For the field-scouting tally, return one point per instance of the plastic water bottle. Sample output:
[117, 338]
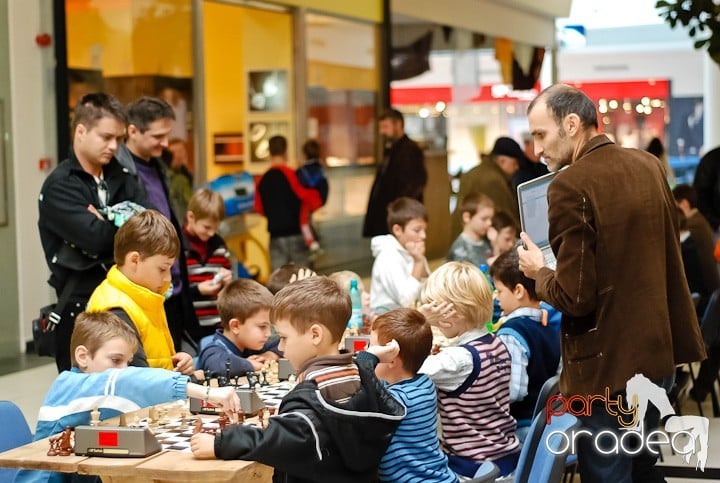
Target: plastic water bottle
[355, 321]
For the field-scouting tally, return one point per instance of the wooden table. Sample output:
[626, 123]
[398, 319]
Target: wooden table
[165, 466]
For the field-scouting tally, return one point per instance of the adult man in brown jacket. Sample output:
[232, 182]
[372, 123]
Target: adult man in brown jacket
[619, 281]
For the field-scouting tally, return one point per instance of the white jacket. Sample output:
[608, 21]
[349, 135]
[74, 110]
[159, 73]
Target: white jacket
[392, 284]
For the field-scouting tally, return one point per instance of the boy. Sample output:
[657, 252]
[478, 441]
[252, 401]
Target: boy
[101, 347]
[475, 373]
[146, 246]
[283, 201]
[244, 339]
[207, 257]
[472, 244]
[311, 176]
[503, 235]
[414, 453]
[530, 335]
[336, 424]
[400, 265]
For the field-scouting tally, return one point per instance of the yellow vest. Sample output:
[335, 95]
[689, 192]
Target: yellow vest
[145, 309]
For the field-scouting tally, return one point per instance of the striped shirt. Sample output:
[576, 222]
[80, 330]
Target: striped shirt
[337, 377]
[476, 420]
[414, 453]
[204, 261]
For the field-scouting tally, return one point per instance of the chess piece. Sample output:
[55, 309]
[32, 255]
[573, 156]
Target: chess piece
[136, 422]
[65, 445]
[222, 421]
[53, 451]
[153, 416]
[198, 426]
[227, 371]
[252, 378]
[271, 410]
[292, 378]
[95, 417]
[241, 416]
[123, 420]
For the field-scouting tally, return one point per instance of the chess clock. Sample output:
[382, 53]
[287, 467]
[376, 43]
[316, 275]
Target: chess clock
[115, 442]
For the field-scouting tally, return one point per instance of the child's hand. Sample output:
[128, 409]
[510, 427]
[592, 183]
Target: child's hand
[225, 276]
[416, 250]
[387, 352]
[436, 312]
[183, 363]
[203, 446]
[209, 287]
[258, 362]
[302, 274]
[227, 398]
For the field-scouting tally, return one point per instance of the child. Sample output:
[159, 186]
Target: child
[311, 176]
[342, 278]
[101, 347]
[400, 265]
[146, 246]
[472, 244]
[503, 234]
[473, 374]
[286, 274]
[414, 453]
[244, 339]
[207, 257]
[336, 424]
[531, 337]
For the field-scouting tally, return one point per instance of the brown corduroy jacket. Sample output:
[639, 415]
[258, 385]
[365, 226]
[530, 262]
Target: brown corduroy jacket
[619, 280]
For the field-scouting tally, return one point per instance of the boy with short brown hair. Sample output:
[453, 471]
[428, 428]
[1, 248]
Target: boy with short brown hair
[414, 453]
[337, 422]
[400, 265]
[146, 246]
[472, 244]
[207, 257]
[244, 339]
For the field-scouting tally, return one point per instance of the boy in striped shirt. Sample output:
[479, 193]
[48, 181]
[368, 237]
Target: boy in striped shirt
[472, 377]
[336, 424]
[414, 453]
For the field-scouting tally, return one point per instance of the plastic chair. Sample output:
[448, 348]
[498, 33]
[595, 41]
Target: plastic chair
[550, 450]
[15, 433]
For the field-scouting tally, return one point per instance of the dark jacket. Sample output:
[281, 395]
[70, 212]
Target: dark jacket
[64, 217]
[402, 173]
[619, 281]
[220, 351]
[707, 185]
[313, 440]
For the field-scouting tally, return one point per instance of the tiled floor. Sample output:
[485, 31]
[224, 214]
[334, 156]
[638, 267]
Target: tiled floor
[27, 389]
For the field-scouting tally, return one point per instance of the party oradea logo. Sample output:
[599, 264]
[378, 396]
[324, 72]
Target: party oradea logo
[687, 435]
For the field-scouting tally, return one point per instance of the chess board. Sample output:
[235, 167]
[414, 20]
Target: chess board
[273, 394]
[174, 434]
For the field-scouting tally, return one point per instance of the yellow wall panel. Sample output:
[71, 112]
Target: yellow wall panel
[362, 9]
[341, 77]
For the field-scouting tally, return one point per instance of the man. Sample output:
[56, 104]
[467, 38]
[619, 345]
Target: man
[76, 238]
[287, 205]
[492, 178]
[401, 173]
[150, 122]
[619, 281]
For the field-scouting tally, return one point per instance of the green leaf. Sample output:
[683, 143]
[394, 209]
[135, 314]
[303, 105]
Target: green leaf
[699, 43]
[692, 32]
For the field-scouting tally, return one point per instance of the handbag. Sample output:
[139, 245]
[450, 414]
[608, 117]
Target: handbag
[43, 328]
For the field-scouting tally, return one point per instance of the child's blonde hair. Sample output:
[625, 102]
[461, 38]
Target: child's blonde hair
[93, 329]
[463, 285]
[343, 277]
[149, 233]
[206, 204]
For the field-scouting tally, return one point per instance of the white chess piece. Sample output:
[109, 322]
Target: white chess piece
[95, 417]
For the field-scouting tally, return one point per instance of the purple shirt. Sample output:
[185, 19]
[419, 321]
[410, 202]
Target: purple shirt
[150, 177]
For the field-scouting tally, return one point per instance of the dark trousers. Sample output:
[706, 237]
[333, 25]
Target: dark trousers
[175, 315]
[709, 368]
[64, 330]
[595, 467]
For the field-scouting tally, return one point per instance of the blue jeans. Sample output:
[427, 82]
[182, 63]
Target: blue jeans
[596, 467]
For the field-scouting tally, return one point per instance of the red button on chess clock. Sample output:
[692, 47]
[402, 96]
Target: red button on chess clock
[108, 438]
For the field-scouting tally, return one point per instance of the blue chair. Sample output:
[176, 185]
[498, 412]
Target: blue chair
[15, 432]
